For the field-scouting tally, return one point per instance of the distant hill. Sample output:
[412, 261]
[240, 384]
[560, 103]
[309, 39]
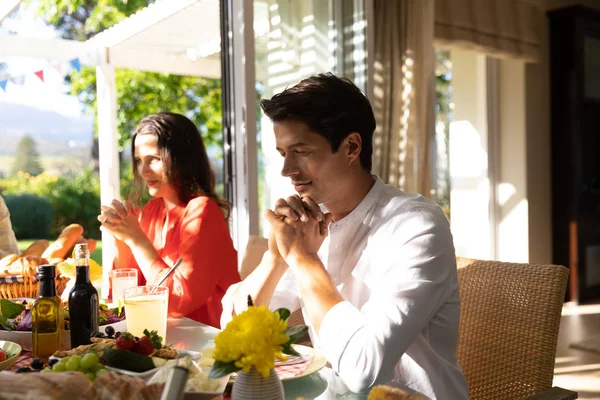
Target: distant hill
[54, 133]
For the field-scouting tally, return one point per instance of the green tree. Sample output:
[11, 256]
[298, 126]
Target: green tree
[138, 93]
[27, 158]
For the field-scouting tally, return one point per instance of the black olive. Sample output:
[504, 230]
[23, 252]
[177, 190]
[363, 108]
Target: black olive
[52, 361]
[109, 330]
[23, 369]
[36, 363]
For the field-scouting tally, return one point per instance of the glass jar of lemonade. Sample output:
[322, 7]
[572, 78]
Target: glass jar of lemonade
[146, 307]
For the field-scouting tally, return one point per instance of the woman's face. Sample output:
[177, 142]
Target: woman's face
[151, 168]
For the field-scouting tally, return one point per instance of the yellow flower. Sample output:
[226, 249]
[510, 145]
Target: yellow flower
[252, 339]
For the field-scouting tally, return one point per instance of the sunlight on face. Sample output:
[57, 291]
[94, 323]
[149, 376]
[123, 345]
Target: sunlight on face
[314, 170]
[151, 167]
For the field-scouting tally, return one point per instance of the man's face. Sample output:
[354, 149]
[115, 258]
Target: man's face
[315, 171]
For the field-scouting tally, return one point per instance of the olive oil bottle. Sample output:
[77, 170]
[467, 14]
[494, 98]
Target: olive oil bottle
[47, 315]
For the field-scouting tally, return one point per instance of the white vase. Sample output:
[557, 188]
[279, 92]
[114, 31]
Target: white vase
[251, 386]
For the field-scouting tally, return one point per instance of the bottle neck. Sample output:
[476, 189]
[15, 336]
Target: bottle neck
[82, 274]
[47, 288]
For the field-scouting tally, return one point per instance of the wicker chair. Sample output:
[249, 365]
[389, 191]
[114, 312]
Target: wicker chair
[255, 249]
[510, 315]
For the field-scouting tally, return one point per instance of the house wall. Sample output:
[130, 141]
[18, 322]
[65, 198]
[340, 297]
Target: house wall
[468, 155]
[537, 110]
[512, 202]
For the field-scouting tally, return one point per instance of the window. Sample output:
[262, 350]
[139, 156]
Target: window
[481, 165]
[294, 40]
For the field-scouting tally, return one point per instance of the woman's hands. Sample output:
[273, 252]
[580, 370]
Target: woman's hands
[120, 219]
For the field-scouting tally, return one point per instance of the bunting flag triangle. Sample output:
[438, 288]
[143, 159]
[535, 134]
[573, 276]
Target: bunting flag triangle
[58, 68]
[76, 64]
[3, 84]
[40, 74]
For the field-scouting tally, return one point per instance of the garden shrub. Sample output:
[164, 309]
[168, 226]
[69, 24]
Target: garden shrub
[31, 216]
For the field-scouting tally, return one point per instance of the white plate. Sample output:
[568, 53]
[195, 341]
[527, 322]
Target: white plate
[144, 375]
[194, 355]
[318, 361]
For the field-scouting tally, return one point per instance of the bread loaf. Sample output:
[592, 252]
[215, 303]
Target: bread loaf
[75, 385]
[65, 385]
[36, 248]
[384, 392]
[6, 261]
[91, 245]
[55, 261]
[64, 243]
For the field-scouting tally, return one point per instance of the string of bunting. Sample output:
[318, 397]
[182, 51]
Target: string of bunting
[74, 64]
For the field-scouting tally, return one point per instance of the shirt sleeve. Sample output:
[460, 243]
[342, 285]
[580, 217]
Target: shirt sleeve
[8, 241]
[205, 247]
[364, 345]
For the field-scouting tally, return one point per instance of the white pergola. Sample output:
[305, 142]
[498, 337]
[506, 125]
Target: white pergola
[170, 36]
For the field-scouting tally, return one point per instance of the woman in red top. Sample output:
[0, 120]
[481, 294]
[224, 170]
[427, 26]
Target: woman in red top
[184, 219]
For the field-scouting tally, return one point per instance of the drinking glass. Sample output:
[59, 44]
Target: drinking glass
[146, 308]
[123, 278]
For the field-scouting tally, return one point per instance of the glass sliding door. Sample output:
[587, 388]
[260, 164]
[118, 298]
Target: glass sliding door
[295, 39]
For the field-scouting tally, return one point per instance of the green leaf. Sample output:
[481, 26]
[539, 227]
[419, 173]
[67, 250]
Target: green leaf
[154, 338]
[10, 309]
[7, 324]
[284, 313]
[288, 349]
[295, 332]
[220, 369]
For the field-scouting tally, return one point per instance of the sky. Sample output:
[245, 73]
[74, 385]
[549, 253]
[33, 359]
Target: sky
[48, 95]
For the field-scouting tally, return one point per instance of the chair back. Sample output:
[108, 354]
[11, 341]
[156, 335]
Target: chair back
[509, 320]
[255, 249]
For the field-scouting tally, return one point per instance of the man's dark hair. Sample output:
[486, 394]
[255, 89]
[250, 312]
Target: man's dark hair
[330, 106]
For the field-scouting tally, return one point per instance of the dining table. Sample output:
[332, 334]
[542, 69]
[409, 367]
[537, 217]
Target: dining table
[187, 334]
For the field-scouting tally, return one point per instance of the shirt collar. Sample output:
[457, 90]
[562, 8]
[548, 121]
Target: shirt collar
[363, 207]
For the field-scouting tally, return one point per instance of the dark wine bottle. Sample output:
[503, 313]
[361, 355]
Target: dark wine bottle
[47, 316]
[83, 300]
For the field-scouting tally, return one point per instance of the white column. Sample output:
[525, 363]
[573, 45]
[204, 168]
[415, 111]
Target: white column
[245, 212]
[106, 92]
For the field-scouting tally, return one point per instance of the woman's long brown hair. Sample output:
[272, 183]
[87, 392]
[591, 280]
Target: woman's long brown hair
[184, 156]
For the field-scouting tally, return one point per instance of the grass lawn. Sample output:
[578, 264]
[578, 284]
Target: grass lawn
[96, 255]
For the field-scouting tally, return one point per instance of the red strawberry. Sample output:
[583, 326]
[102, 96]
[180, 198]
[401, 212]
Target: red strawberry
[144, 346]
[125, 341]
[2, 355]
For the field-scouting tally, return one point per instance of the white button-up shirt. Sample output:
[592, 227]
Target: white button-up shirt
[392, 259]
[8, 242]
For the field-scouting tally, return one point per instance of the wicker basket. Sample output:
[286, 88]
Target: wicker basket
[29, 288]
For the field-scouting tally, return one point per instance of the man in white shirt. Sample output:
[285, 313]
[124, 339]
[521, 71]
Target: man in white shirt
[373, 268]
[8, 241]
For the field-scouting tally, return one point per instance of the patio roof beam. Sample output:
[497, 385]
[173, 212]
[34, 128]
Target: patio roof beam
[7, 7]
[148, 59]
[51, 49]
[139, 22]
